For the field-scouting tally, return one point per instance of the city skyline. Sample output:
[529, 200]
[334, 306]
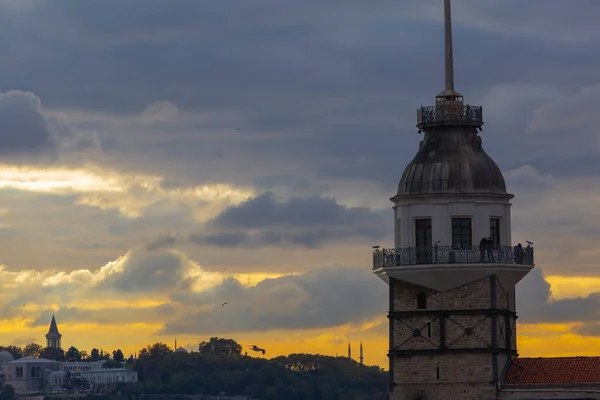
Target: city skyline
[154, 168]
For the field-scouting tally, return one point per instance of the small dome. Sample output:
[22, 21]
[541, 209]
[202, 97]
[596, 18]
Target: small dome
[5, 356]
[57, 374]
[181, 350]
[451, 160]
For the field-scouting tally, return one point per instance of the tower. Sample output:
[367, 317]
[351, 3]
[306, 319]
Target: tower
[53, 336]
[349, 351]
[452, 316]
[361, 354]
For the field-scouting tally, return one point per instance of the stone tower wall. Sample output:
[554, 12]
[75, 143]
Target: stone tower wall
[463, 320]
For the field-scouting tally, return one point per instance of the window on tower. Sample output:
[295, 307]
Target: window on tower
[495, 231]
[461, 233]
[421, 301]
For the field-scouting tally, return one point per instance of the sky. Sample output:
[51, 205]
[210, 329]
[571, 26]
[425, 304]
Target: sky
[160, 158]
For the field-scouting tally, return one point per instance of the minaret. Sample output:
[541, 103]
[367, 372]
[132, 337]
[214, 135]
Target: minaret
[452, 315]
[175, 348]
[53, 337]
[349, 351]
[361, 358]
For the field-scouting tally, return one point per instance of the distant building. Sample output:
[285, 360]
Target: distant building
[53, 337]
[106, 379]
[98, 377]
[75, 368]
[28, 375]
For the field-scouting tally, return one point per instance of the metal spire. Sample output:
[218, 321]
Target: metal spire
[448, 46]
[449, 94]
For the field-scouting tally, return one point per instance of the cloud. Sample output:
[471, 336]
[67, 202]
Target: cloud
[570, 111]
[28, 134]
[318, 298]
[304, 221]
[162, 242]
[132, 276]
[535, 304]
[23, 128]
[527, 177]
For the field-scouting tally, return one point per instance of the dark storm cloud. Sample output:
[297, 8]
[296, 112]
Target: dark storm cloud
[304, 221]
[319, 298]
[284, 67]
[535, 305]
[23, 128]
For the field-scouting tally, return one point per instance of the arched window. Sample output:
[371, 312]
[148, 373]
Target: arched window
[421, 301]
[38, 372]
[33, 372]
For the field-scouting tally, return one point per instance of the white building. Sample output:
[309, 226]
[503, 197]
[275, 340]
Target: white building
[108, 377]
[75, 368]
[98, 377]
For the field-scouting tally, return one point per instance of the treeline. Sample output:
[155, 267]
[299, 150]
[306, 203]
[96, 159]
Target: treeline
[220, 368]
[72, 353]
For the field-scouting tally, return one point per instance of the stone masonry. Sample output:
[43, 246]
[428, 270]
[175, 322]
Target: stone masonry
[457, 346]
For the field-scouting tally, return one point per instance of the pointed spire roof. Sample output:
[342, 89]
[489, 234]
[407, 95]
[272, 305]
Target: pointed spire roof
[53, 327]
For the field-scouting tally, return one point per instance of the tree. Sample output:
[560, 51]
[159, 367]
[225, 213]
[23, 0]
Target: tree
[32, 350]
[118, 355]
[14, 351]
[220, 346]
[111, 364]
[73, 354]
[155, 350]
[8, 393]
[95, 355]
[52, 353]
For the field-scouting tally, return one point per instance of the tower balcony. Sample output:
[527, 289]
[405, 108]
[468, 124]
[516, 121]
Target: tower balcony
[410, 256]
[449, 114]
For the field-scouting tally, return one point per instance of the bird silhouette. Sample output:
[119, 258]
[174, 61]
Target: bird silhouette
[223, 305]
[256, 348]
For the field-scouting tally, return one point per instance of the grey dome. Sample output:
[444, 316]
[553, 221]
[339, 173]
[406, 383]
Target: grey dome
[5, 356]
[451, 160]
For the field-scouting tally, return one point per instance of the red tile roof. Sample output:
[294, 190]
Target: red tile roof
[554, 370]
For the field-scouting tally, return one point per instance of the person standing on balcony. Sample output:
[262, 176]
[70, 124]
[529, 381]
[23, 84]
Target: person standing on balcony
[483, 244]
[490, 249]
[519, 253]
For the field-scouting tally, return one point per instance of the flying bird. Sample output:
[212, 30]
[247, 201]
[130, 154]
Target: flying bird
[256, 348]
[223, 305]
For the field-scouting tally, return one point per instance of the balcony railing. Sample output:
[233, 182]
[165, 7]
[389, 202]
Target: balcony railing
[449, 255]
[449, 114]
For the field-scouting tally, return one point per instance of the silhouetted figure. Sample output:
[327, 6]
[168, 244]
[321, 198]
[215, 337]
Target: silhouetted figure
[490, 249]
[482, 248]
[519, 253]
